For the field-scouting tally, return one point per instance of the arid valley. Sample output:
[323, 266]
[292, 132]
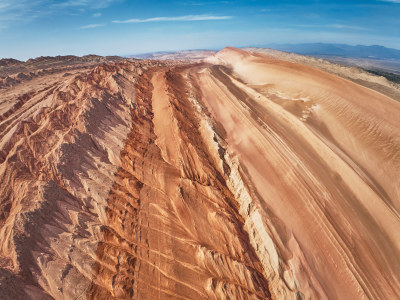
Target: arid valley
[239, 174]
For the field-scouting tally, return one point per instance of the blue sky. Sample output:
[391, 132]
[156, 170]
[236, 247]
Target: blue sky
[31, 28]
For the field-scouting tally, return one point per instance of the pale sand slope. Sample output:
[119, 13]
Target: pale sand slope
[246, 177]
[324, 156]
[355, 74]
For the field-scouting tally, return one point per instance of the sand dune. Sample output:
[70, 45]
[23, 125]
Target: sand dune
[244, 176]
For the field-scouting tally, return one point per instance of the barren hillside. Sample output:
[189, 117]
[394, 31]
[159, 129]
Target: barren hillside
[243, 176]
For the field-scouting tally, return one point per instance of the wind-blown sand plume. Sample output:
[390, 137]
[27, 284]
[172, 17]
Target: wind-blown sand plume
[243, 177]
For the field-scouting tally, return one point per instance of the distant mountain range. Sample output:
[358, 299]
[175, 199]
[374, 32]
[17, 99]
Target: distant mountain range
[342, 50]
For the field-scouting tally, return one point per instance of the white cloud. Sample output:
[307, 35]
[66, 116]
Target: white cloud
[187, 18]
[391, 1]
[90, 4]
[202, 3]
[97, 15]
[343, 26]
[89, 26]
[335, 26]
[4, 5]
[21, 11]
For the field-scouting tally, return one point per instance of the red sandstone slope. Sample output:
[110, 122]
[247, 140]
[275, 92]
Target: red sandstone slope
[245, 177]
